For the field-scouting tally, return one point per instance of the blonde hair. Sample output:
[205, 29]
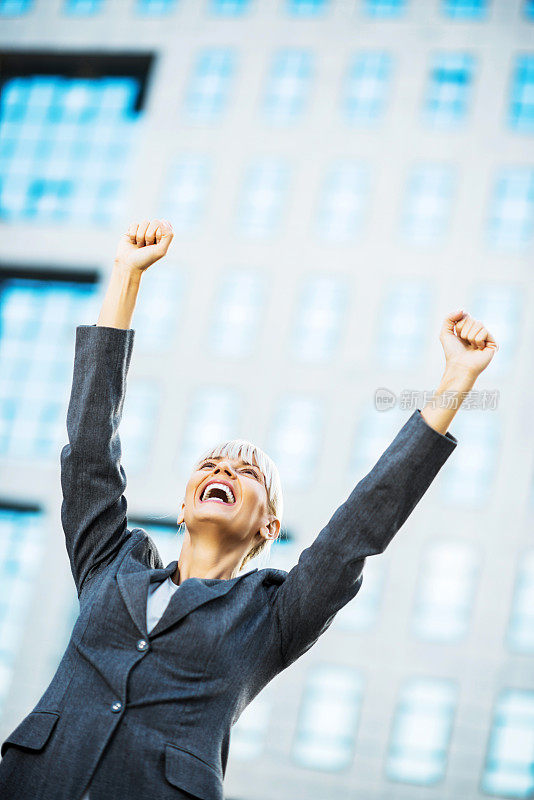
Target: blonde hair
[241, 448]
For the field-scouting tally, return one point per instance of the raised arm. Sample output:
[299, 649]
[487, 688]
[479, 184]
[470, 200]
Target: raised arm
[329, 572]
[93, 511]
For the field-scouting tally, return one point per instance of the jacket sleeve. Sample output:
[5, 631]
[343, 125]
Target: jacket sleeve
[93, 511]
[329, 572]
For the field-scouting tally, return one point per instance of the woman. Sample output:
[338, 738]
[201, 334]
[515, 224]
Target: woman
[163, 660]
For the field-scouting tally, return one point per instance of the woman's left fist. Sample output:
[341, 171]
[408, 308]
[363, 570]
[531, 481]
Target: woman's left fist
[471, 347]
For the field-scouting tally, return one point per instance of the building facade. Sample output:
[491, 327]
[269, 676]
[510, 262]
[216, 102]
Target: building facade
[340, 174]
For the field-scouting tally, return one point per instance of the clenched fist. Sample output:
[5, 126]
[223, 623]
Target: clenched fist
[470, 347]
[144, 243]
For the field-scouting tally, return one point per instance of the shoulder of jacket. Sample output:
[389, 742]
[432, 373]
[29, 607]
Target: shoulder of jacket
[151, 555]
[272, 577]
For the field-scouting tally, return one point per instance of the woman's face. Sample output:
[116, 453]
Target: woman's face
[232, 525]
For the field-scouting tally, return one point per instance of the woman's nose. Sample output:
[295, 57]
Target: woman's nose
[225, 468]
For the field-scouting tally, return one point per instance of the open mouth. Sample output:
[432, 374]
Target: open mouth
[217, 500]
[218, 493]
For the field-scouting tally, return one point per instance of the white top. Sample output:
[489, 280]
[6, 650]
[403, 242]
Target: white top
[159, 595]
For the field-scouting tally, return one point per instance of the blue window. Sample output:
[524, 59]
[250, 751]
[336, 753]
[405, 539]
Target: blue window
[250, 732]
[445, 591]
[209, 84]
[138, 424]
[361, 613]
[385, 8]
[37, 318]
[428, 205]
[448, 92]
[520, 634]
[83, 7]
[21, 551]
[511, 217]
[320, 314]
[295, 439]
[373, 433]
[65, 146]
[343, 201]
[166, 292]
[528, 9]
[465, 9]
[149, 7]
[213, 414]
[229, 8]
[236, 314]
[306, 8]
[263, 197]
[365, 87]
[37, 370]
[327, 722]
[70, 613]
[508, 771]
[469, 480]
[521, 111]
[15, 7]
[288, 85]
[501, 306]
[403, 323]
[186, 192]
[421, 731]
[285, 550]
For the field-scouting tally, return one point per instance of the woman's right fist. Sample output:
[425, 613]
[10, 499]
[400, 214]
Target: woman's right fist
[144, 243]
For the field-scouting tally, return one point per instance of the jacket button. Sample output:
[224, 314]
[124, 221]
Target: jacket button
[142, 645]
[116, 706]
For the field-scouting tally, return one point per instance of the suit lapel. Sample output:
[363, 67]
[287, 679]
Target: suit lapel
[191, 594]
[134, 578]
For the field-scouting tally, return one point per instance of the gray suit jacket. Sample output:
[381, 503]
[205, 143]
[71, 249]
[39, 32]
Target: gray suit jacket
[149, 715]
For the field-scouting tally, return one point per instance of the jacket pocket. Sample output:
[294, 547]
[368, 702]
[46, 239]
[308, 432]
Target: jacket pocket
[187, 771]
[33, 732]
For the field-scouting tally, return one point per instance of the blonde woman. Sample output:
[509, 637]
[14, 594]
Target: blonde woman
[163, 659]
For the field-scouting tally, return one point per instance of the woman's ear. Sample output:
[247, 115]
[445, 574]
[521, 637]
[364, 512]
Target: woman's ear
[274, 528]
[270, 528]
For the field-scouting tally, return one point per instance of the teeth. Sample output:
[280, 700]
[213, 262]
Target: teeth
[206, 493]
